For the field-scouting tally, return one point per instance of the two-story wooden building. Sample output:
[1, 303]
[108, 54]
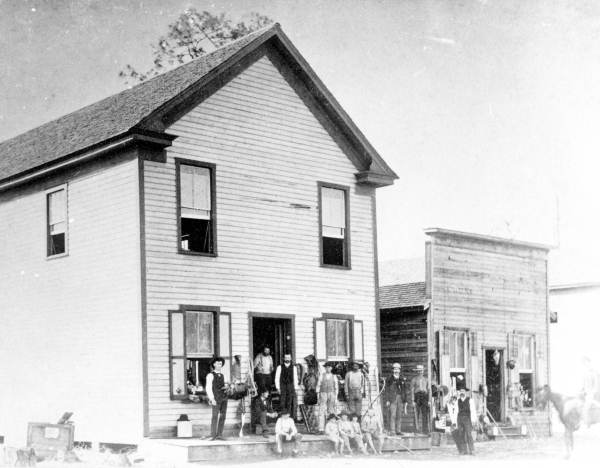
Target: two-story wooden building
[480, 320]
[226, 204]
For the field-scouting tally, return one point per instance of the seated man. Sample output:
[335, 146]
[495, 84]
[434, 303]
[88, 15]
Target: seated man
[285, 431]
[372, 430]
[261, 409]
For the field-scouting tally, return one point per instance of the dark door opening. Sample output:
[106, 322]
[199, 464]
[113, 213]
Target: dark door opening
[276, 333]
[493, 381]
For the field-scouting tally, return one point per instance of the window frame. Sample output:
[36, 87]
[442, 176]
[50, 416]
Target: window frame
[47, 194]
[453, 334]
[184, 309]
[348, 346]
[347, 254]
[351, 338]
[213, 204]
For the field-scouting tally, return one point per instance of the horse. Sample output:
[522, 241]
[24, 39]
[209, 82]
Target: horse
[570, 412]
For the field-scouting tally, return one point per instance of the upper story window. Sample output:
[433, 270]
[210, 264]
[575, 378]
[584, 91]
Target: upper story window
[334, 226]
[56, 221]
[196, 190]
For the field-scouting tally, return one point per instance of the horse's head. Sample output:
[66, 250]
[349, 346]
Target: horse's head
[542, 396]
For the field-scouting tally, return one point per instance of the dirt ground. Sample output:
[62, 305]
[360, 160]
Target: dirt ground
[516, 453]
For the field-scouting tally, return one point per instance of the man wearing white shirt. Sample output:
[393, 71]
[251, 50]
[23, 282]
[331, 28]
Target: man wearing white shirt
[217, 398]
[263, 366]
[286, 381]
[465, 419]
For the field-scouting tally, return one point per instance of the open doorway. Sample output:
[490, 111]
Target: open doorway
[494, 378]
[274, 331]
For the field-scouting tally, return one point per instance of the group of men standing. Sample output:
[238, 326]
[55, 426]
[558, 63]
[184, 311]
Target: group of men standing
[398, 391]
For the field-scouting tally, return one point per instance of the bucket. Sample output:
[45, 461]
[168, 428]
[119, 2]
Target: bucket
[184, 426]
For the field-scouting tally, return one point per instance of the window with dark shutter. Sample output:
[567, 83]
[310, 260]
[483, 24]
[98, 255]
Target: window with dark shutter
[196, 335]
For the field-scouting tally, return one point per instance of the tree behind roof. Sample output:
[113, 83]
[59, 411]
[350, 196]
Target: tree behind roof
[192, 35]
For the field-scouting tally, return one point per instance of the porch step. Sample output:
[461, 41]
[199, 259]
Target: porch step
[249, 447]
[508, 431]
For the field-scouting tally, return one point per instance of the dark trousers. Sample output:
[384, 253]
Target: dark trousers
[464, 432]
[260, 419]
[219, 411]
[264, 382]
[288, 400]
[422, 412]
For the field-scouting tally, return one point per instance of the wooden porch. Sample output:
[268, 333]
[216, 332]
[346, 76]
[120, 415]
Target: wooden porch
[254, 446]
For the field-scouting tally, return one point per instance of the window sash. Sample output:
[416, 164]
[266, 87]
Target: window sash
[338, 339]
[333, 203]
[458, 350]
[199, 334]
[525, 357]
[195, 191]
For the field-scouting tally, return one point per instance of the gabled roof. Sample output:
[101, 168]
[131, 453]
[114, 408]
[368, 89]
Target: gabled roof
[397, 296]
[141, 107]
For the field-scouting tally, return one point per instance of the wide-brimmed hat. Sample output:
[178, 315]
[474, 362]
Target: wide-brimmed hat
[328, 364]
[419, 367]
[218, 358]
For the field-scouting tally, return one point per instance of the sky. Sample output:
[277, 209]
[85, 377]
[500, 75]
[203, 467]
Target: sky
[486, 109]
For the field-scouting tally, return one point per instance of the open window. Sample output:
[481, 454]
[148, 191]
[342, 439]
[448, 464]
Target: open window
[334, 229]
[196, 207]
[196, 336]
[56, 221]
[453, 347]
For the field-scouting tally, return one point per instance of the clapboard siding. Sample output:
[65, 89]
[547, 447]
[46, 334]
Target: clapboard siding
[71, 326]
[492, 289]
[269, 151]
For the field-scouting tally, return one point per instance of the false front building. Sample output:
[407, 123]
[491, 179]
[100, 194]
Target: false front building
[480, 320]
[223, 205]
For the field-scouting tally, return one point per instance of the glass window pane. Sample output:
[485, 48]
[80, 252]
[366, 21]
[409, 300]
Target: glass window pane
[331, 338]
[178, 377]
[56, 207]
[333, 207]
[194, 187]
[199, 334]
[343, 338]
[460, 350]
[177, 334]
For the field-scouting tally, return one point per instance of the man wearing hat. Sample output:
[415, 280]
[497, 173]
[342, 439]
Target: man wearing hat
[353, 386]
[396, 398]
[419, 390]
[465, 420]
[327, 390]
[216, 390]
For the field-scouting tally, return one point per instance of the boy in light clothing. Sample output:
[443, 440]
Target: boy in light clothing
[285, 431]
[358, 435]
[372, 430]
[332, 431]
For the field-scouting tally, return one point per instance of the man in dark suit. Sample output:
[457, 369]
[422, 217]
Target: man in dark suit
[465, 418]
[396, 398]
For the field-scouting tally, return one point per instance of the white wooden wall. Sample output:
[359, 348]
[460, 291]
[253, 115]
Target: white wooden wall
[71, 326]
[270, 151]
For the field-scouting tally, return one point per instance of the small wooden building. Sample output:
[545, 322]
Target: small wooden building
[480, 319]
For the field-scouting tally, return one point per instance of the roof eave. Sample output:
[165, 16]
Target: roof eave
[133, 136]
[374, 179]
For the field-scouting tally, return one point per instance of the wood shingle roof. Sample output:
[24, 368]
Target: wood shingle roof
[141, 108]
[396, 296]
